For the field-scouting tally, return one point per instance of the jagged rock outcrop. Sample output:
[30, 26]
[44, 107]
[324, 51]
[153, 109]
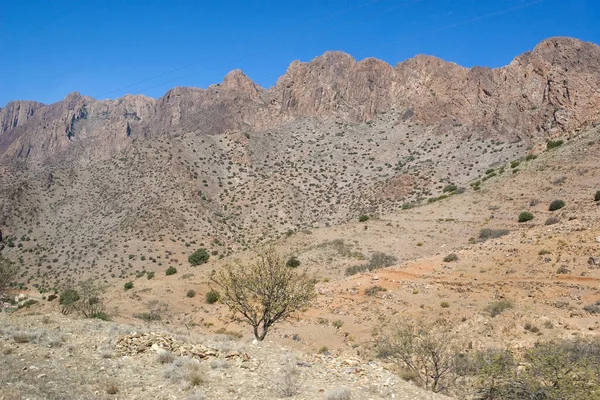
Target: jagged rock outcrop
[551, 91]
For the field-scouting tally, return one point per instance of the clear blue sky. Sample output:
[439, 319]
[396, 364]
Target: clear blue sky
[102, 48]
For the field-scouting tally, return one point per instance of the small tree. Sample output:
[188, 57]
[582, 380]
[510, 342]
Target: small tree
[200, 256]
[8, 270]
[264, 292]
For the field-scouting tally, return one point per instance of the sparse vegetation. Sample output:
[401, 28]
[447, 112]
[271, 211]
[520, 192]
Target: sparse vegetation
[488, 233]
[378, 260]
[264, 292]
[8, 271]
[128, 285]
[171, 271]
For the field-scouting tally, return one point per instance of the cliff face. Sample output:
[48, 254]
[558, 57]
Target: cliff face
[551, 91]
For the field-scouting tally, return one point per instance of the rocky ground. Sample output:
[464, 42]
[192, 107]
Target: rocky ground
[50, 356]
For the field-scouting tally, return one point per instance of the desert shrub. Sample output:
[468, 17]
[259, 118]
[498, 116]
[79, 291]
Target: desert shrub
[552, 221]
[543, 252]
[556, 205]
[190, 293]
[497, 307]
[450, 188]
[530, 157]
[264, 292]
[293, 262]
[525, 216]
[444, 304]
[212, 296]
[363, 218]
[198, 257]
[373, 290]
[150, 275]
[171, 271]
[548, 370]
[451, 257]
[128, 285]
[488, 233]
[597, 196]
[514, 164]
[52, 297]
[551, 144]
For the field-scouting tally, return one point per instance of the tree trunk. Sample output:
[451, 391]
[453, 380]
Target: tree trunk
[260, 336]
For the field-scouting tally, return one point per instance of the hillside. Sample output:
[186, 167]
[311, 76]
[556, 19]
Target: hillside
[89, 187]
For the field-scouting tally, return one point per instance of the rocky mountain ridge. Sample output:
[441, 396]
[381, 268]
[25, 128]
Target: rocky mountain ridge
[551, 91]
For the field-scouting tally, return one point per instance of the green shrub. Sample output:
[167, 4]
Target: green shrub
[128, 285]
[551, 144]
[52, 297]
[293, 262]
[515, 164]
[212, 296]
[556, 205]
[597, 196]
[530, 157]
[525, 216]
[171, 271]
[451, 257]
[200, 256]
[363, 218]
[450, 188]
[150, 275]
[190, 293]
[444, 304]
[496, 308]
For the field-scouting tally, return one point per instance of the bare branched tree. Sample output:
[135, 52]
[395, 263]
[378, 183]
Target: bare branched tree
[430, 353]
[265, 291]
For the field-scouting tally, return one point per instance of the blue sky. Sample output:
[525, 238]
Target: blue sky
[105, 48]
